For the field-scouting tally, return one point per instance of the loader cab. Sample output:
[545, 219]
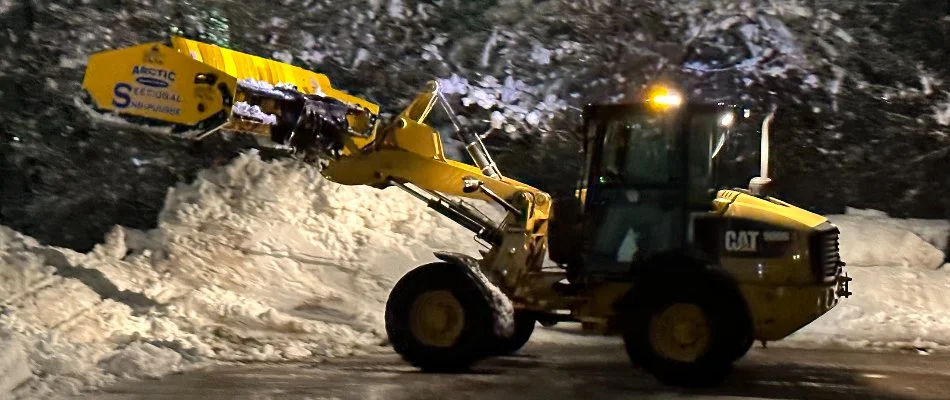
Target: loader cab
[648, 168]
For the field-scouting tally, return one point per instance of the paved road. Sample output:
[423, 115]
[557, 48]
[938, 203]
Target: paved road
[547, 372]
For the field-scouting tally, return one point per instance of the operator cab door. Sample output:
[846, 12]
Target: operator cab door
[648, 172]
[636, 189]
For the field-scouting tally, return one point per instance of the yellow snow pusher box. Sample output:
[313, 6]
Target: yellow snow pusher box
[189, 89]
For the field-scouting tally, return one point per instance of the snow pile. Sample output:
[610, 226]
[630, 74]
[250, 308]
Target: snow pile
[14, 369]
[891, 307]
[142, 360]
[61, 324]
[900, 292]
[269, 261]
[871, 238]
[253, 261]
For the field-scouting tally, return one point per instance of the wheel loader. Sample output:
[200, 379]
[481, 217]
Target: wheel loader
[647, 248]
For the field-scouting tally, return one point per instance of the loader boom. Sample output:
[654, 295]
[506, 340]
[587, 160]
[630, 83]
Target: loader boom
[202, 88]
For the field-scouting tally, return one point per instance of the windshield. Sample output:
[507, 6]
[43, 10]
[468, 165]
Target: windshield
[640, 149]
[644, 148]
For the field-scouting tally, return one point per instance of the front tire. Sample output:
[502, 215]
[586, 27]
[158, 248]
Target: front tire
[524, 327]
[685, 336]
[438, 318]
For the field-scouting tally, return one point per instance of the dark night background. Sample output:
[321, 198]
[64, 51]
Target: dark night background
[861, 88]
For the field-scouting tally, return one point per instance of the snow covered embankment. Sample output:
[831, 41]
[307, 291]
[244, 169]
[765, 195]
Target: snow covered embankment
[269, 261]
[901, 292]
[253, 261]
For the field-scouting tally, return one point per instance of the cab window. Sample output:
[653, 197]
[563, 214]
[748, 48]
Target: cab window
[639, 151]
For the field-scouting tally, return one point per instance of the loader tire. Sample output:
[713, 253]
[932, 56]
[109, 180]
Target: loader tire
[524, 327]
[743, 344]
[439, 318]
[685, 336]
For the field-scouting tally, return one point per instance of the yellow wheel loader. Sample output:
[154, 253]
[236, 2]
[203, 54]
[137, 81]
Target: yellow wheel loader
[646, 248]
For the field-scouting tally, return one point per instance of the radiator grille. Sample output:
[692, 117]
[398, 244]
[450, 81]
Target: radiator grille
[825, 257]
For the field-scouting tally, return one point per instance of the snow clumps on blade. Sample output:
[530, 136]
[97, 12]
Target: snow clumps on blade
[254, 112]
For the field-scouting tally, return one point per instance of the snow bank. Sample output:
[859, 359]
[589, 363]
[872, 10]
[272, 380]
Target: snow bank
[269, 261]
[14, 369]
[871, 238]
[252, 261]
[891, 307]
[142, 360]
[900, 292]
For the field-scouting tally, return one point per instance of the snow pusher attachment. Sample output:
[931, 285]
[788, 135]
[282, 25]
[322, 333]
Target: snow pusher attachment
[192, 89]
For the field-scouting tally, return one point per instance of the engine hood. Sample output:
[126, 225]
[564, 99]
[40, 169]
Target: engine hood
[739, 204]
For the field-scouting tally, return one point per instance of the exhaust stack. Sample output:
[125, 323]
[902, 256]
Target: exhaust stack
[759, 185]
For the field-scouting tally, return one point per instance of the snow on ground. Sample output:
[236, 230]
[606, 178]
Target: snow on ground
[253, 261]
[267, 261]
[891, 307]
[901, 285]
[13, 364]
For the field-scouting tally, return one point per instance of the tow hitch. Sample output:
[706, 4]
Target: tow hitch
[844, 285]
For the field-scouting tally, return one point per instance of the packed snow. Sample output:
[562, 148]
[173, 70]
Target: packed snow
[253, 261]
[253, 112]
[891, 307]
[268, 261]
[14, 368]
[900, 285]
[872, 238]
[265, 87]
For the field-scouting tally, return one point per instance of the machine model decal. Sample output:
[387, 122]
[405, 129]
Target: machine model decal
[751, 241]
[742, 241]
[737, 237]
[776, 236]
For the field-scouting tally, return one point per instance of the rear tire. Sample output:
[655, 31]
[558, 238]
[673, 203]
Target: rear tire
[439, 319]
[743, 344]
[684, 336]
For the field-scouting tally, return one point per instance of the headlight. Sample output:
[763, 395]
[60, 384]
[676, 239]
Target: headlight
[727, 119]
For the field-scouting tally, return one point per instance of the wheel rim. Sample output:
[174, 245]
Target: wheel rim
[681, 332]
[436, 318]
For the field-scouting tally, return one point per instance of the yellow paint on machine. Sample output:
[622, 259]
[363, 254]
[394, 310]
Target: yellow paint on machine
[161, 82]
[244, 65]
[779, 311]
[772, 211]
[156, 82]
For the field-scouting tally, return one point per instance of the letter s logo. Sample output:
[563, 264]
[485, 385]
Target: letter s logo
[121, 93]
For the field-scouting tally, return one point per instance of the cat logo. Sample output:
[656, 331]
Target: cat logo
[742, 241]
[153, 56]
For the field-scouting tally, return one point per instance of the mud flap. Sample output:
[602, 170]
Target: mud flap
[502, 308]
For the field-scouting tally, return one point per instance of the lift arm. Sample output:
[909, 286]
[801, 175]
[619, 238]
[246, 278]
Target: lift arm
[201, 89]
